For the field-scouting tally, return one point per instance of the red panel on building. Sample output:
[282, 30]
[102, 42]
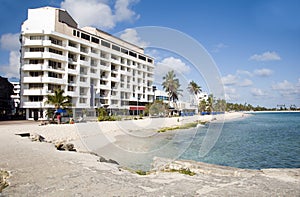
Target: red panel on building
[137, 108]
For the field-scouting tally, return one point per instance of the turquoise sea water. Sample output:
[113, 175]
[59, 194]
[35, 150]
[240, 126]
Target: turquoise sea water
[263, 140]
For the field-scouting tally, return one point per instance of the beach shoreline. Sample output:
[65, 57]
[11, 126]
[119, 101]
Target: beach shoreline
[39, 169]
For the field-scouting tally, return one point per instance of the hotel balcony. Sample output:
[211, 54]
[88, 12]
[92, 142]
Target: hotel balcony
[29, 67]
[33, 55]
[72, 71]
[72, 93]
[84, 63]
[105, 68]
[32, 104]
[54, 80]
[28, 42]
[32, 79]
[28, 92]
[49, 55]
[72, 49]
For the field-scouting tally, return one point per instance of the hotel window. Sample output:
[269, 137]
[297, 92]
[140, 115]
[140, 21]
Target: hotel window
[95, 51]
[142, 57]
[85, 36]
[71, 88]
[116, 48]
[93, 70]
[35, 98]
[83, 70]
[82, 100]
[72, 66]
[132, 54]
[55, 51]
[72, 57]
[72, 44]
[105, 44]
[36, 85]
[83, 58]
[84, 49]
[36, 37]
[55, 41]
[52, 87]
[36, 74]
[95, 40]
[36, 61]
[37, 49]
[54, 65]
[124, 51]
[54, 75]
[82, 79]
[82, 91]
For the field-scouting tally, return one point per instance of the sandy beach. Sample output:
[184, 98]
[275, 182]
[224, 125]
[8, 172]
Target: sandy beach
[38, 169]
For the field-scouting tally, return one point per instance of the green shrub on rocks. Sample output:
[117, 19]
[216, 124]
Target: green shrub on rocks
[185, 126]
[141, 172]
[186, 171]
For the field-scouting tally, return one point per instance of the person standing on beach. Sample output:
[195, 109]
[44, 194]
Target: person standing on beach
[58, 116]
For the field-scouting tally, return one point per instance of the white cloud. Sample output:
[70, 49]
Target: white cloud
[229, 79]
[10, 42]
[130, 35]
[245, 83]
[218, 47]
[264, 72]
[266, 56]
[168, 64]
[12, 70]
[123, 13]
[231, 94]
[286, 88]
[258, 92]
[244, 72]
[98, 13]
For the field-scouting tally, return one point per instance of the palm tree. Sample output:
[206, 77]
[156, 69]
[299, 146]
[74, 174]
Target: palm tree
[194, 88]
[171, 85]
[210, 103]
[58, 99]
[202, 105]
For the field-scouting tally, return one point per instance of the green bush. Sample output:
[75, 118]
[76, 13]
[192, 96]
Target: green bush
[141, 172]
[186, 171]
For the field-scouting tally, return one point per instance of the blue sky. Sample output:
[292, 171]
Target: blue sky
[255, 44]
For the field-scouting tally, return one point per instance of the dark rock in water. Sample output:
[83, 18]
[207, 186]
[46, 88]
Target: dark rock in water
[102, 159]
[112, 161]
[23, 134]
[37, 137]
[62, 146]
[69, 147]
[59, 145]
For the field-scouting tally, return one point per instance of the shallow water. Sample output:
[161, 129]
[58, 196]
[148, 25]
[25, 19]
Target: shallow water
[263, 140]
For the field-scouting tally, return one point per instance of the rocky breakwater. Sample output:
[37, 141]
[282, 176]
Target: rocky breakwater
[228, 181]
[3, 179]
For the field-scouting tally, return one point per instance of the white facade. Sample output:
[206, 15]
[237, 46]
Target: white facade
[16, 95]
[95, 68]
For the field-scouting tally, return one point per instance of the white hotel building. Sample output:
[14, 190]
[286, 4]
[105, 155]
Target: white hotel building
[93, 67]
